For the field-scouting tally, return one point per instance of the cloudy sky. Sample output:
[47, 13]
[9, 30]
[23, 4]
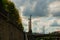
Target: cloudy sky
[44, 13]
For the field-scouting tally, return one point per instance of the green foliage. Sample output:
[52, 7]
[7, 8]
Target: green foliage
[12, 12]
[1, 5]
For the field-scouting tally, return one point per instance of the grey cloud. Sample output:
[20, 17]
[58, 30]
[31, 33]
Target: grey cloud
[18, 3]
[56, 14]
[40, 9]
[55, 24]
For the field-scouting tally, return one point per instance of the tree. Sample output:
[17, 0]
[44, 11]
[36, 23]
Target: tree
[9, 9]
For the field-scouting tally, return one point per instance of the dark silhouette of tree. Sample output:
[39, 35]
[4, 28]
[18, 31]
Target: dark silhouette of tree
[8, 9]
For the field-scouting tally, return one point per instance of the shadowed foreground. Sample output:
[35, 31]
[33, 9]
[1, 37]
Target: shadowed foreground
[10, 23]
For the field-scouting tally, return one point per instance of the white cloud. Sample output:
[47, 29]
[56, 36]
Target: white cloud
[38, 23]
[25, 23]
